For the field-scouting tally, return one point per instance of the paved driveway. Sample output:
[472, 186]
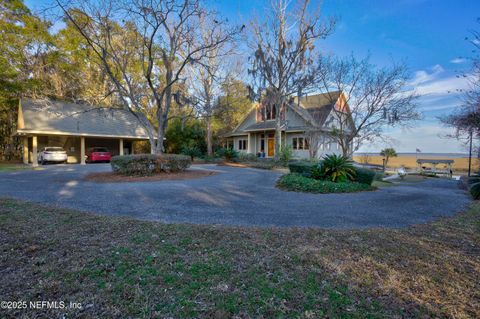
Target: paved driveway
[235, 196]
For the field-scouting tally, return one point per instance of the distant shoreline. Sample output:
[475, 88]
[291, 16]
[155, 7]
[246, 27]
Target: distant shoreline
[420, 155]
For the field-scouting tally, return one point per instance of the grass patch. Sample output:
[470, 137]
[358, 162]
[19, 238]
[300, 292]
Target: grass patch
[117, 267]
[12, 167]
[298, 183]
[260, 164]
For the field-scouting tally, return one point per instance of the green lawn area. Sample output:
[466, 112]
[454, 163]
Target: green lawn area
[118, 267]
[11, 167]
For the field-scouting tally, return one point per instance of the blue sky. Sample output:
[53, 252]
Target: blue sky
[429, 35]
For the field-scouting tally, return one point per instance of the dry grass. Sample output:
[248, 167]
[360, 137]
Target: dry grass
[119, 268]
[460, 164]
[111, 177]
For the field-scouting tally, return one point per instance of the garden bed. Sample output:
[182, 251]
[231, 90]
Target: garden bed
[298, 183]
[111, 177]
[259, 164]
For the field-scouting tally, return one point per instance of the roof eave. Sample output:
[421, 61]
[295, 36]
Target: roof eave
[23, 132]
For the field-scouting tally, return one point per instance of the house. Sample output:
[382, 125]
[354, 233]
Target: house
[76, 128]
[316, 113]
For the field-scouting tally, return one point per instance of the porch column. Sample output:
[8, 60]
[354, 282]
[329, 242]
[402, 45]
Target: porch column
[82, 150]
[249, 146]
[25, 150]
[121, 146]
[34, 151]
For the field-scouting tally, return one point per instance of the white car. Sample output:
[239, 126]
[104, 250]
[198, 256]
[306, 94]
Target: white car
[52, 154]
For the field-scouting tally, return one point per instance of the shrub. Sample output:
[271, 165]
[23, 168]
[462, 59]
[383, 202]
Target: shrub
[192, 151]
[364, 176]
[474, 185]
[285, 155]
[379, 176]
[263, 164]
[246, 157]
[227, 153]
[147, 164]
[299, 183]
[337, 168]
[303, 168]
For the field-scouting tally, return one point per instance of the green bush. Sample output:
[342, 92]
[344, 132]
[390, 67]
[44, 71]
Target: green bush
[299, 183]
[246, 157]
[147, 164]
[336, 168]
[364, 176]
[285, 155]
[262, 164]
[192, 151]
[301, 167]
[227, 153]
[379, 176]
[474, 185]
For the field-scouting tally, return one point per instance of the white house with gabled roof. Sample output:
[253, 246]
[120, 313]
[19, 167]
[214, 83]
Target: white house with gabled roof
[256, 132]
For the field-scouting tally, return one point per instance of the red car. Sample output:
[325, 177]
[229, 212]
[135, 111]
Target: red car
[98, 154]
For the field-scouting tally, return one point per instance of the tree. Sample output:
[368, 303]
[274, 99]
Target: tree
[231, 106]
[466, 118]
[283, 60]
[372, 98]
[24, 44]
[387, 153]
[144, 46]
[207, 78]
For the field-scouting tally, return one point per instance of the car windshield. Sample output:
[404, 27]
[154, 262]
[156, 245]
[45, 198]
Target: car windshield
[100, 149]
[53, 149]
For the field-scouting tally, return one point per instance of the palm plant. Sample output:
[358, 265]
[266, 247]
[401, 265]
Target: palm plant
[387, 153]
[336, 168]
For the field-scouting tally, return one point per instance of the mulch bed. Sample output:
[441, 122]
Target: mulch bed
[111, 177]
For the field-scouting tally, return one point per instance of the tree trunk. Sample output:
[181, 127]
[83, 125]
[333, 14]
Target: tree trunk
[278, 141]
[209, 136]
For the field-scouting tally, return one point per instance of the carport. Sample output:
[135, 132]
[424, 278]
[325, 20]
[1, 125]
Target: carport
[76, 128]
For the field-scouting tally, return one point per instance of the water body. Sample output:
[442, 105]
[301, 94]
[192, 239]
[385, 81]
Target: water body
[423, 155]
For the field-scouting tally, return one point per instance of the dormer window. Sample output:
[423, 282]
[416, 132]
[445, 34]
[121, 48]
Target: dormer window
[267, 113]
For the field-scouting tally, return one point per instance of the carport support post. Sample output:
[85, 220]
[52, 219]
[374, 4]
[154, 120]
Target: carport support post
[25, 150]
[121, 146]
[34, 151]
[82, 150]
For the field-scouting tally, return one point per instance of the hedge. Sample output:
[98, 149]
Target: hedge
[299, 183]
[147, 164]
[364, 176]
[303, 168]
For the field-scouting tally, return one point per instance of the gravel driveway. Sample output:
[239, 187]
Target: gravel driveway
[235, 196]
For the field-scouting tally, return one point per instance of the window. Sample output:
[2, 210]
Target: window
[242, 144]
[299, 143]
[265, 113]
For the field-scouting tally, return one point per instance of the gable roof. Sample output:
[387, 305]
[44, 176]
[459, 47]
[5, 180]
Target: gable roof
[320, 100]
[313, 109]
[64, 118]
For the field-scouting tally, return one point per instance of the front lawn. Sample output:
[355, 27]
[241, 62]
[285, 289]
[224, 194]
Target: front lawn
[11, 167]
[123, 268]
[298, 183]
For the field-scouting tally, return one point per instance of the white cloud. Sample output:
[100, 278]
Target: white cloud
[448, 85]
[435, 82]
[423, 76]
[458, 60]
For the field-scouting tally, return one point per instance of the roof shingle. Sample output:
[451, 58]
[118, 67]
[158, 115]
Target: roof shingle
[57, 117]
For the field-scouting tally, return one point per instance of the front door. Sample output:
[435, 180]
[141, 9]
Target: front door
[271, 147]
